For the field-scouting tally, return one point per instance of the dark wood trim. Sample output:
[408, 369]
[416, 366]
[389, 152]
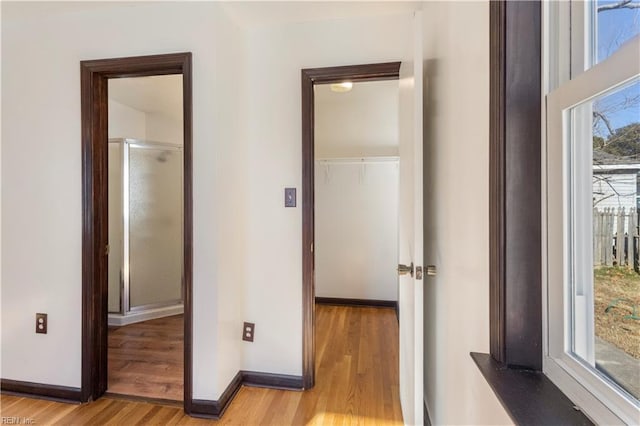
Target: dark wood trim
[94, 79]
[371, 303]
[94, 224]
[187, 149]
[41, 391]
[215, 409]
[496, 178]
[138, 66]
[523, 185]
[369, 72]
[309, 77]
[271, 381]
[515, 183]
[529, 397]
[308, 221]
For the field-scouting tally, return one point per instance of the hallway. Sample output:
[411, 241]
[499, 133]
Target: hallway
[356, 380]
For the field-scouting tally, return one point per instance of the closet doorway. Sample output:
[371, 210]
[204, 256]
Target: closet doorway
[137, 228]
[350, 179]
[356, 195]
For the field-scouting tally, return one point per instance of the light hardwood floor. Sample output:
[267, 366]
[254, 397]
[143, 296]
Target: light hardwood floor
[356, 383]
[146, 359]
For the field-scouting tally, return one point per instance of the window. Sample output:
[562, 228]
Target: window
[592, 161]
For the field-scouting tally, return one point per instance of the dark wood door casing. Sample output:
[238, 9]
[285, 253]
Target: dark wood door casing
[94, 117]
[311, 76]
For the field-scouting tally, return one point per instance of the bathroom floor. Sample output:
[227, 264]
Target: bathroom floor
[146, 359]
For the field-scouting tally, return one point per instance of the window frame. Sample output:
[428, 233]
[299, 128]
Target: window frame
[520, 36]
[594, 394]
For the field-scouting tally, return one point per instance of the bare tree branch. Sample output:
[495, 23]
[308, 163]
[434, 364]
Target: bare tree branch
[595, 203]
[605, 120]
[624, 4]
[606, 180]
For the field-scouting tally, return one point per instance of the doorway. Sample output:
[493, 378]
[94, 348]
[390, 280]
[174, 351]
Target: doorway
[310, 79]
[162, 159]
[356, 193]
[356, 198]
[145, 337]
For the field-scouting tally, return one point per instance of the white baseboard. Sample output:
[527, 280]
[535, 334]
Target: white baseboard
[133, 317]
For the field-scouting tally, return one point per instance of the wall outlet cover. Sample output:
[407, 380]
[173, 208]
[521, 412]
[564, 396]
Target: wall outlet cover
[247, 331]
[41, 323]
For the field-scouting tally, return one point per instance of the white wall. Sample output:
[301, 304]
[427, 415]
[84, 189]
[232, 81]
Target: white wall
[456, 314]
[164, 128]
[41, 169]
[147, 108]
[356, 230]
[276, 56]
[125, 121]
[362, 122]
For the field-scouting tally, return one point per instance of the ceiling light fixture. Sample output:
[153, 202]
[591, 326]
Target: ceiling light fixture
[342, 87]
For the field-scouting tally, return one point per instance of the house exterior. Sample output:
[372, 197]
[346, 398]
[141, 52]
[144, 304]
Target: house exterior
[615, 187]
[615, 182]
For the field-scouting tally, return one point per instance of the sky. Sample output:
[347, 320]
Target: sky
[614, 28]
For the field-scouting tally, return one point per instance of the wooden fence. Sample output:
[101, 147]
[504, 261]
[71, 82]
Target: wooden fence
[615, 237]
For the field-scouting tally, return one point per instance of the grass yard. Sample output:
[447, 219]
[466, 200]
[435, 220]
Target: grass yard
[613, 283]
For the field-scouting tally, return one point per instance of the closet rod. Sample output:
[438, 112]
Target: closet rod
[358, 160]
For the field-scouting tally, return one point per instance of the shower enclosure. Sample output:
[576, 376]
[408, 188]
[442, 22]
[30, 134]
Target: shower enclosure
[145, 230]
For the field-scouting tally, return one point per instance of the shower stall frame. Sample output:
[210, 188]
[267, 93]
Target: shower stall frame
[125, 280]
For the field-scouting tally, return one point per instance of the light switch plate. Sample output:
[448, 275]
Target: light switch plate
[289, 197]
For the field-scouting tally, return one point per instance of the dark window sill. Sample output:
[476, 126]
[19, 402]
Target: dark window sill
[529, 397]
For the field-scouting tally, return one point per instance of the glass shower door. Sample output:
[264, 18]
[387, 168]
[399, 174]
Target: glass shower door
[155, 225]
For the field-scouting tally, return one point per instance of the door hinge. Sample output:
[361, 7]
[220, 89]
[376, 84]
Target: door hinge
[107, 250]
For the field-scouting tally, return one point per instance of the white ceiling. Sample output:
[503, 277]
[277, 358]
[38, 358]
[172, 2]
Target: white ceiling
[159, 94]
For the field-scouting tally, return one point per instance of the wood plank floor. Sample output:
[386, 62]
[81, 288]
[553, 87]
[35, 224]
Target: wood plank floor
[356, 383]
[146, 359]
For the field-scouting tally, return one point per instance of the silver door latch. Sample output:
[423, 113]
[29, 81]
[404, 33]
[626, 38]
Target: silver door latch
[404, 269]
[418, 272]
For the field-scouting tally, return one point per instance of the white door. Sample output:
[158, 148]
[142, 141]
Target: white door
[410, 250]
